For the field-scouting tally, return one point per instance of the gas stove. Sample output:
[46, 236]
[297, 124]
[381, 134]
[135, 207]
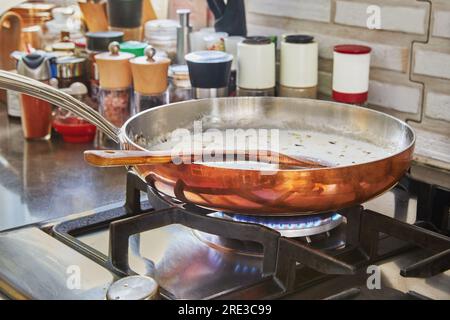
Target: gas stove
[396, 246]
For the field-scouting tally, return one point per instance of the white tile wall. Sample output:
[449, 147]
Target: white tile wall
[437, 106]
[410, 58]
[441, 23]
[315, 10]
[414, 18]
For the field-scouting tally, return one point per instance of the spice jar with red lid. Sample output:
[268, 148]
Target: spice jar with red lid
[150, 80]
[115, 84]
[351, 66]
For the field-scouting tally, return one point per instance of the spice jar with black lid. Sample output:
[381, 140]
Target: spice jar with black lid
[298, 67]
[97, 42]
[209, 72]
[256, 67]
[115, 84]
[150, 80]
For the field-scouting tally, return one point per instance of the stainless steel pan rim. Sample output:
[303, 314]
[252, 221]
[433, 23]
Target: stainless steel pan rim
[126, 140]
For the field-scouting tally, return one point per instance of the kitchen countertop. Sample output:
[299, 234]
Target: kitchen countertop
[42, 180]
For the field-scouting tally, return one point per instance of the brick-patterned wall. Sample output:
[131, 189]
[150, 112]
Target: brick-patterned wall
[410, 67]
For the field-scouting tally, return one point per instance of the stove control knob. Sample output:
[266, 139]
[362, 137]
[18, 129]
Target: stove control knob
[133, 288]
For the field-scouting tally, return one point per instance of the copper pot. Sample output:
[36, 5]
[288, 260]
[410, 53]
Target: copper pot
[286, 192]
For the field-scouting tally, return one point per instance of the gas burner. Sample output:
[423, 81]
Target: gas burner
[290, 226]
[319, 231]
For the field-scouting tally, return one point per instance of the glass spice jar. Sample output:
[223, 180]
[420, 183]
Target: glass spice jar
[115, 84]
[180, 88]
[115, 105]
[150, 80]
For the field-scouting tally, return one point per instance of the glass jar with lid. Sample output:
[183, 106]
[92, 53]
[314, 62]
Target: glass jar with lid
[115, 84]
[150, 80]
[180, 88]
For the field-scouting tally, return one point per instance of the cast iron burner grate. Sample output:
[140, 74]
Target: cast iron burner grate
[288, 265]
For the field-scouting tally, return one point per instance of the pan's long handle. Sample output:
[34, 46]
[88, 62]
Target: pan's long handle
[22, 84]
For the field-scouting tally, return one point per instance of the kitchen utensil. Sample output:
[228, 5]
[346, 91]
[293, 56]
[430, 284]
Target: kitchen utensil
[150, 80]
[94, 15]
[286, 192]
[114, 158]
[36, 113]
[115, 84]
[183, 34]
[229, 17]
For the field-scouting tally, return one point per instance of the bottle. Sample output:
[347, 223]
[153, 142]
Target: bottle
[256, 67]
[180, 88]
[351, 67]
[36, 113]
[115, 84]
[299, 59]
[183, 35]
[209, 72]
[150, 80]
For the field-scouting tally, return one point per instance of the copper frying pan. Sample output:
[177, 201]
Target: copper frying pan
[285, 192]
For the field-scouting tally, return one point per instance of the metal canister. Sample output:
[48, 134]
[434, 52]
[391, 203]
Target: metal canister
[209, 72]
[256, 67]
[298, 67]
[70, 69]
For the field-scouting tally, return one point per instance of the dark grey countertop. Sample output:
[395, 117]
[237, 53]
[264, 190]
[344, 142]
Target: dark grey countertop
[42, 180]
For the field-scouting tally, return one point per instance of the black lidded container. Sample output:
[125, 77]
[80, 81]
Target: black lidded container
[209, 72]
[125, 13]
[99, 41]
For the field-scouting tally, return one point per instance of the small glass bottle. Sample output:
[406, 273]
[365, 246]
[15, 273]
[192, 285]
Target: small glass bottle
[180, 88]
[115, 84]
[150, 80]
